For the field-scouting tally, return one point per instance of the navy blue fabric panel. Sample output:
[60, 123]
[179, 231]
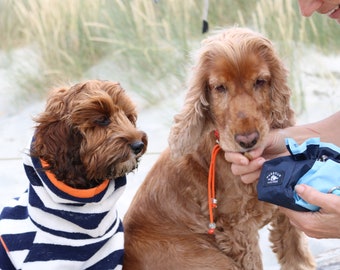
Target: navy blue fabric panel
[109, 262]
[68, 234]
[330, 153]
[17, 212]
[19, 241]
[120, 182]
[86, 221]
[32, 176]
[5, 263]
[47, 252]
[278, 179]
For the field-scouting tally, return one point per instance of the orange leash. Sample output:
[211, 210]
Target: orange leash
[212, 201]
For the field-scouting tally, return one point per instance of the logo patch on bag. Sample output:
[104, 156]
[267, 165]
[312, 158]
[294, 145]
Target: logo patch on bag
[274, 178]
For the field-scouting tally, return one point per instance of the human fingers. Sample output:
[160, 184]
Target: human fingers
[236, 158]
[248, 173]
[250, 177]
[243, 158]
[313, 196]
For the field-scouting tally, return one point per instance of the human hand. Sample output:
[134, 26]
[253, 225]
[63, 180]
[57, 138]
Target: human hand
[321, 224]
[250, 170]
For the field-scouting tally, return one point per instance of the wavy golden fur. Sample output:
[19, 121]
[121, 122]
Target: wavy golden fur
[87, 134]
[238, 88]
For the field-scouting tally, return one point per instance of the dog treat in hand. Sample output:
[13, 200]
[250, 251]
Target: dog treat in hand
[248, 156]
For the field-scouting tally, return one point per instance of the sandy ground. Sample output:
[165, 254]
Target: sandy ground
[322, 95]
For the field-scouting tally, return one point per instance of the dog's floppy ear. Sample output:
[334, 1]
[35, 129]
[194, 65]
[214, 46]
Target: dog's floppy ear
[52, 133]
[282, 115]
[194, 120]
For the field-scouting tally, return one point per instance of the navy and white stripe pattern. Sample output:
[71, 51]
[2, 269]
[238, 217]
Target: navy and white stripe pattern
[49, 228]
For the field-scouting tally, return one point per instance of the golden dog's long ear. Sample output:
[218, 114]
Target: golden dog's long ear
[282, 113]
[194, 120]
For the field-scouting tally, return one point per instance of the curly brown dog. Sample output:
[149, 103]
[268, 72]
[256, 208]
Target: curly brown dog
[84, 144]
[88, 134]
[239, 89]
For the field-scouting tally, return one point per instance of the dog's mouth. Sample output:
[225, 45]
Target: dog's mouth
[123, 168]
[113, 164]
[241, 142]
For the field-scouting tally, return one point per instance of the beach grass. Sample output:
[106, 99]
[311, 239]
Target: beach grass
[150, 41]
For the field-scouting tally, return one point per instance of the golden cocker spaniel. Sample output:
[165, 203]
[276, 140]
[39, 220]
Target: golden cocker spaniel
[237, 93]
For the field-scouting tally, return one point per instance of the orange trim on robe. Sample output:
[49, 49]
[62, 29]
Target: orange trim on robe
[79, 193]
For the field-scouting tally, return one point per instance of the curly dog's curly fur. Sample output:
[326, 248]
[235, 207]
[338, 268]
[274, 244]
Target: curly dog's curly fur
[238, 88]
[87, 134]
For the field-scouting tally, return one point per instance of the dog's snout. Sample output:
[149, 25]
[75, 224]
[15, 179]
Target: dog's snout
[247, 140]
[137, 147]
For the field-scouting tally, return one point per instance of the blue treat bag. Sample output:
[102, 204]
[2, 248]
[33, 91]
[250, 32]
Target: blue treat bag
[313, 163]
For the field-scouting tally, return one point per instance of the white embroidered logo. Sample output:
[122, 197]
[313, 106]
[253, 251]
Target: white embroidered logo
[274, 178]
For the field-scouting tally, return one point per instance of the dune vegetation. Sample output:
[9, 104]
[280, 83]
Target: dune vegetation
[149, 41]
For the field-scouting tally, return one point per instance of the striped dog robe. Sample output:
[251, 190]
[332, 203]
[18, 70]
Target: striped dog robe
[54, 226]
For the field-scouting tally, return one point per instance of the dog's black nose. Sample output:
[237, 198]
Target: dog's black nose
[137, 147]
[247, 140]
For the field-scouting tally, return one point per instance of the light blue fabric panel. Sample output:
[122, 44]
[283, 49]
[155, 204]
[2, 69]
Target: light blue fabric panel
[296, 148]
[323, 176]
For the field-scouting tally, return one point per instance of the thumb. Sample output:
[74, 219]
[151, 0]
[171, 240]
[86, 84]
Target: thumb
[313, 196]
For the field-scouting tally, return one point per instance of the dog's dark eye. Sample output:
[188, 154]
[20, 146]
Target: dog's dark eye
[103, 121]
[259, 83]
[221, 88]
